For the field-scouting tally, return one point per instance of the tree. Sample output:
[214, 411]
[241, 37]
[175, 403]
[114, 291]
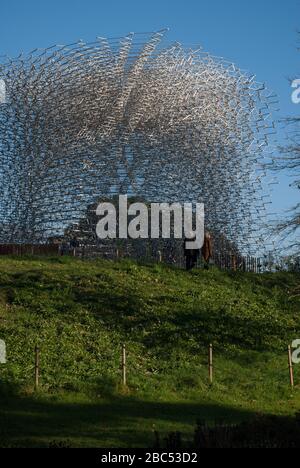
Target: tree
[289, 160]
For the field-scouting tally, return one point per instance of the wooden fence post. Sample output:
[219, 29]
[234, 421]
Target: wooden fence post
[210, 363]
[291, 371]
[124, 365]
[37, 367]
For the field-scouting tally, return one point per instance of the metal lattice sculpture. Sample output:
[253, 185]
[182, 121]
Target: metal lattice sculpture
[130, 115]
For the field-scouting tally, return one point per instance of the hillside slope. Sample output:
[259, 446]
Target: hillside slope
[79, 313]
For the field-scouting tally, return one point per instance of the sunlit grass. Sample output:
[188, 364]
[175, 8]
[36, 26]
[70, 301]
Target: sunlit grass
[79, 313]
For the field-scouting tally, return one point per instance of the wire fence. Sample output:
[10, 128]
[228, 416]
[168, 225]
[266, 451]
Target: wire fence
[223, 260]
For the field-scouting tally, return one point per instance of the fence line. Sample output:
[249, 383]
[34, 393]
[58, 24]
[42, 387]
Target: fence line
[288, 370]
[224, 260]
[29, 249]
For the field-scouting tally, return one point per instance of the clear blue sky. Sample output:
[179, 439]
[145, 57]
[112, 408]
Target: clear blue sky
[258, 35]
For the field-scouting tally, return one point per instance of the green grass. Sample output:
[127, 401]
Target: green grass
[80, 313]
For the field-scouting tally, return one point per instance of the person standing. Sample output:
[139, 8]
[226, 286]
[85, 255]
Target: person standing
[207, 249]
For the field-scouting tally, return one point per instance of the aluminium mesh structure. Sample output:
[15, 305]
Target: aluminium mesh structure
[132, 115]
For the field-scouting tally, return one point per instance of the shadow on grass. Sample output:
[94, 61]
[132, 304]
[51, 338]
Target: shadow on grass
[123, 421]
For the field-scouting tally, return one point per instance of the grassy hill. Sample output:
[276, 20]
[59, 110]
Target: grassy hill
[79, 313]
